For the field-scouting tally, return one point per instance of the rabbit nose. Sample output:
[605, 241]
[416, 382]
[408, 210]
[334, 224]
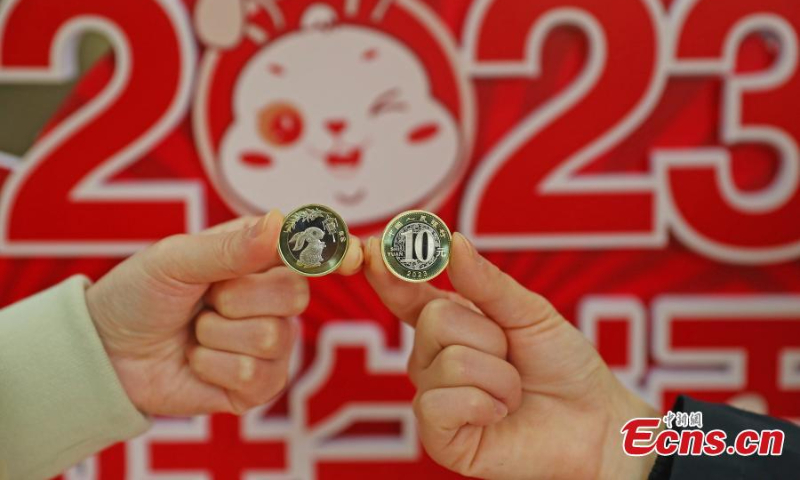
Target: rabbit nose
[336, 126]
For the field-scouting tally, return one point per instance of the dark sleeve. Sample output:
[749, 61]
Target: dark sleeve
[731, 467]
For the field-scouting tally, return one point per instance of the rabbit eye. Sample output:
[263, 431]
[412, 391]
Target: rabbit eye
[423, 133]
[388, 101]
[280, 124]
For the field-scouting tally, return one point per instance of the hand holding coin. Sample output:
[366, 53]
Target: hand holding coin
[201, 323]
[497, 361]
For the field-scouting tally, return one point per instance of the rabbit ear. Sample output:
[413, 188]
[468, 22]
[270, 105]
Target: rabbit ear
[299, 240]
[318, 17]
[219, 23]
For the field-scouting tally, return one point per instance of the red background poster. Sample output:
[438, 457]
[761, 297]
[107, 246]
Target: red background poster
[635, 161]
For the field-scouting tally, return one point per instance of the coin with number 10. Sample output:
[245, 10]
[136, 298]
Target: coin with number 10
[416, 246]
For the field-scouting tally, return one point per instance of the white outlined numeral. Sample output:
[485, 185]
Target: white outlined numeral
[563, 181]
[94, 187]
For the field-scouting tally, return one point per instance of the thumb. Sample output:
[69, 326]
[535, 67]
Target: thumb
[493, 291]
[213, 257]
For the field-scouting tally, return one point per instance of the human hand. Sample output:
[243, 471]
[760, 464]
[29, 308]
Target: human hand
[506, 387]
[201, 323]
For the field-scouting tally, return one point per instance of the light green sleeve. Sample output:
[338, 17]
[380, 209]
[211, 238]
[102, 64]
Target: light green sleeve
[60, 399]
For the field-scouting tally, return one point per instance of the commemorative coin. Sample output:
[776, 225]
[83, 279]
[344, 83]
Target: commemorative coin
[313, 240]
[416, 246]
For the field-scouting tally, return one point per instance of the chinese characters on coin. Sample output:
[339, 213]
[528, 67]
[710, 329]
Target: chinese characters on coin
[416, 246]
[313, 240]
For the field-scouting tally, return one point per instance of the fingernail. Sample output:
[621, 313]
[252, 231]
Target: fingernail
[360, 257]
[500, 408]
[368, 256]
[258, 227]
[473, 252]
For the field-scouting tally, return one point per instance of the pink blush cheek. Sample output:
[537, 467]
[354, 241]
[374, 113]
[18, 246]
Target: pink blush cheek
[423, 133]
[255, 159]
[370, 54]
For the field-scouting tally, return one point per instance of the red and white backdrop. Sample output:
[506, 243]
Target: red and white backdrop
[636, 161]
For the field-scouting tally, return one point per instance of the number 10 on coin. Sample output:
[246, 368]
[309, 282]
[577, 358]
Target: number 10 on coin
[416, 246]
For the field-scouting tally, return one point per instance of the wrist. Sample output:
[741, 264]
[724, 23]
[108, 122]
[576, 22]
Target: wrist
[618, 464]
[96, 303]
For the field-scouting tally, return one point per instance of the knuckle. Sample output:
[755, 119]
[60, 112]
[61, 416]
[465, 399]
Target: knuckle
[268, 338]
[224, 299]
[474, 404]
[297, 282]
[169, 244]
[300, 304]
[455, 354]
[435, 310]
[300, 294]
[268, 387]
[290, 292]
[433, 318]
[454, 363]
[246, 370]
[160, 255]
[549, 311]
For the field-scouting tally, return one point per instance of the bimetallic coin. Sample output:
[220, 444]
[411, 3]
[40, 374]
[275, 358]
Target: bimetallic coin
[416, 246]
[313, 240]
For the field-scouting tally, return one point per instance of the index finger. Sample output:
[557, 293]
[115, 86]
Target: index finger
[498, 295]
[353, 258]
[404, 299]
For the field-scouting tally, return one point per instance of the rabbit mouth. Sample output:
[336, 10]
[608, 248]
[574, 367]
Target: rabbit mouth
[348, 159]
[342, 161]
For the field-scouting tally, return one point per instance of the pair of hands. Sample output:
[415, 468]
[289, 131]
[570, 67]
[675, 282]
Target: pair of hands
[507, 388]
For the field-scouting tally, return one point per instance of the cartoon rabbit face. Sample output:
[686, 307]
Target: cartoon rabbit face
[343, 116]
